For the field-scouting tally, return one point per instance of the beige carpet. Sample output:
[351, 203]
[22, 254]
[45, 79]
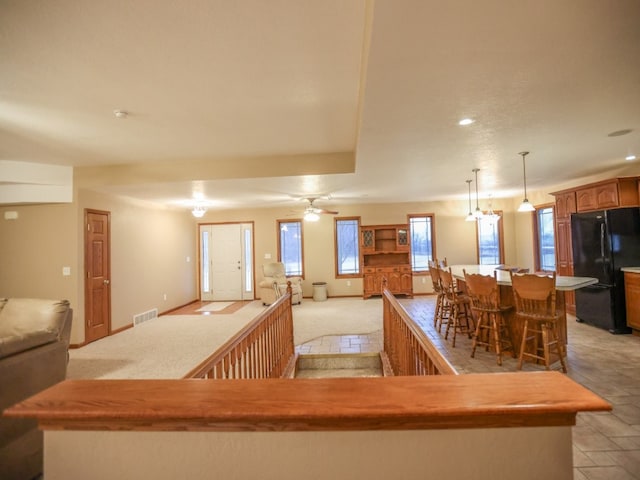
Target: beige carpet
[170, 346]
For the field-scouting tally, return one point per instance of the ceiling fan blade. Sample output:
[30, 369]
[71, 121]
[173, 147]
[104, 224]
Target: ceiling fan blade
[327, 212]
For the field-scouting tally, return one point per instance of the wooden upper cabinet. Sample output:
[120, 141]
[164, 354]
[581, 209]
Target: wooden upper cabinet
[620, 192]
[595, 198]
[565, 204]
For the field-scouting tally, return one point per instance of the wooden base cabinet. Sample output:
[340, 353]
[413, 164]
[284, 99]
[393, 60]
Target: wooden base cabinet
[632, 300]
[385, 255]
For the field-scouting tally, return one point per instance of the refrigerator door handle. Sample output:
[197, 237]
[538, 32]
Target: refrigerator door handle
[603, 257]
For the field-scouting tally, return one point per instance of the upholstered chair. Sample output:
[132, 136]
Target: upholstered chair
[274, 284]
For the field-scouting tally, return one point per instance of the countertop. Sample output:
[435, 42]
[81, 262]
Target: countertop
[562, 282]
[631, 269]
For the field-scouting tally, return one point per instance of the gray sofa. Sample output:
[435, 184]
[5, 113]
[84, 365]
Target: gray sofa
[34, 344]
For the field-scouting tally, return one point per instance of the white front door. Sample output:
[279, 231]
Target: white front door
[226, 262]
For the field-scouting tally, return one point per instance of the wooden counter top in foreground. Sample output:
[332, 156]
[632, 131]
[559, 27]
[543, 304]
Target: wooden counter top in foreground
[392, 403]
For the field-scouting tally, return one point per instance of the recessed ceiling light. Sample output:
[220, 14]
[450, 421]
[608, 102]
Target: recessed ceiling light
[630, 157]
[466, 121]
[120, 113]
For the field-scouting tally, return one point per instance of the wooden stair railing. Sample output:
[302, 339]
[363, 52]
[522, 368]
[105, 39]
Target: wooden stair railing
[408, 350]
[262, 349]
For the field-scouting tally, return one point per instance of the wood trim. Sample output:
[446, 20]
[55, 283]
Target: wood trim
[167, 312]
[335, 246]
[279, 256]
[433, 235]
[400, 403]
[536, 234]
[500, 237]
[408, 348]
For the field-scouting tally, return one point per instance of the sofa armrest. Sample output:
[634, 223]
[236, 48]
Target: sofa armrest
[267, 282]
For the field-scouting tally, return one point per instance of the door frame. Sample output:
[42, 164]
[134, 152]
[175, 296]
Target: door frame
[252, 264]
[87, 296]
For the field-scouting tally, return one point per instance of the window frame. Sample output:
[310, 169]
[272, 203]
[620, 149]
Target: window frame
[500, 227]
[279, 224]
[336, 255]
[432, 217]
[536, 236]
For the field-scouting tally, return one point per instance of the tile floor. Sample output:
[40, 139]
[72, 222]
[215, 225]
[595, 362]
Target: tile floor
[606, 445]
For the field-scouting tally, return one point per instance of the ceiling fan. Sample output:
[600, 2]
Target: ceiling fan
[312, 213]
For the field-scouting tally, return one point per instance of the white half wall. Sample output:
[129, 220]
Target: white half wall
[482, 454]
[26, 183]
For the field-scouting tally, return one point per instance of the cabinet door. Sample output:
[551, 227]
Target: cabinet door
[600, 196]
[402, 239]
[632, 294]
[406, 283]
[565, 205]
[586, 199]
[367, 239]
[607, 195]
[369, 284]
[563, 244]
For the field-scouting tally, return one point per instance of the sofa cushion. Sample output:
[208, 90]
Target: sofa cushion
[28, 322]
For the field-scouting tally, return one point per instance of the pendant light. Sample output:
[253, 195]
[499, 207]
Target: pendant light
[525, 206]
[492, 216]
[470, 217]
[477, 214]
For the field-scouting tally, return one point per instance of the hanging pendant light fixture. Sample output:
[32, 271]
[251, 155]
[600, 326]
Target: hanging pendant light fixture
[525, 206]
[492, 216]
[470, 217]
[477, 214]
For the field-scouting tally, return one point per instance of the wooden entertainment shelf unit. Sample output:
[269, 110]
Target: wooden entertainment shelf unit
[385, 253]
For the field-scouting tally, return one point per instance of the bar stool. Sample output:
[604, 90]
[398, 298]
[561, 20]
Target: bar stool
[491, 329]
[437, 288]
[535, 302]
[460, 318]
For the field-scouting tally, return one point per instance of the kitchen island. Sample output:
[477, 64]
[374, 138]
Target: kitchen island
[632, 297]
[563, 284]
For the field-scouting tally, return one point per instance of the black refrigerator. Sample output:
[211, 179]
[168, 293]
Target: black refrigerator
[603, 242]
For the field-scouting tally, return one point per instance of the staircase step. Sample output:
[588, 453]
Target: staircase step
[334, 365]
[339, 372]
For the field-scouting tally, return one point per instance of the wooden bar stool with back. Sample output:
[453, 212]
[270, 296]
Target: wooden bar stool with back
[437, 289]
[534, 299]
[458, 305]
[491, 328]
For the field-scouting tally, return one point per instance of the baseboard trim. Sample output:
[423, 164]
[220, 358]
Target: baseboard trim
[166, 312]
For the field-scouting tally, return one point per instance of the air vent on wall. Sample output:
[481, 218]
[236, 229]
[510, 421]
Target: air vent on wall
[144, 316]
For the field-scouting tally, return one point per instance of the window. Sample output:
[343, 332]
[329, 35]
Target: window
[489, 235]
[290, 246]
[545, 239]
[347, 232]
[421, 229]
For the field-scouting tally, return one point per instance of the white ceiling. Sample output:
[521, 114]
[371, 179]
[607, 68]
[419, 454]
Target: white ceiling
[282, 89]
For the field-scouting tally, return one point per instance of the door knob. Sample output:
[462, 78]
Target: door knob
[105, 281]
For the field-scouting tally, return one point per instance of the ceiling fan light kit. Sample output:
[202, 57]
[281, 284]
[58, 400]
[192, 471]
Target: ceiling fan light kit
[312, 213]
[198, 211]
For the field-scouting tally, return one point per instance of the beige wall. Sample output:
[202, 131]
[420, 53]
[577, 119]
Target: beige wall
[149, 250]
[455, 238]
[491, 453]
[33, 250]
[150, 246]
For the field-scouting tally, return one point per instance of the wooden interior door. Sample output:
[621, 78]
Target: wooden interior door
[97, 275]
